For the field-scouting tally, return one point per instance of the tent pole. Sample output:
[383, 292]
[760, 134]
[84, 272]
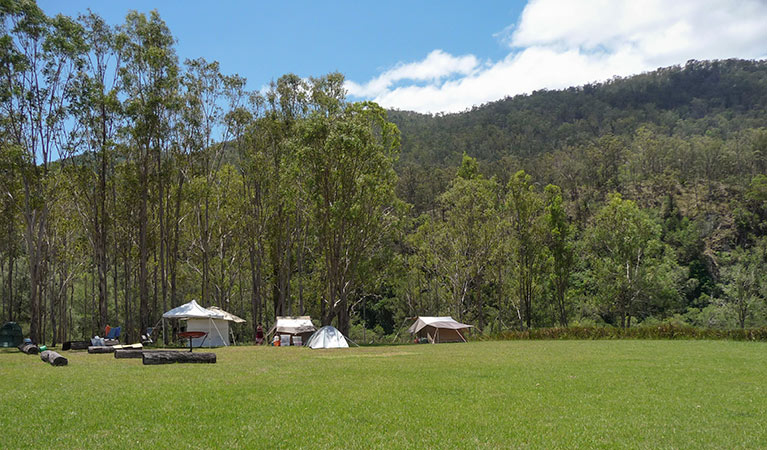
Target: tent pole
[459, 334]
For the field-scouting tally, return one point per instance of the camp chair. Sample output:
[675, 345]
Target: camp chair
[146, 339]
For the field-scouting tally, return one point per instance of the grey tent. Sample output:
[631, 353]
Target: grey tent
[327, 337]
[439, 329]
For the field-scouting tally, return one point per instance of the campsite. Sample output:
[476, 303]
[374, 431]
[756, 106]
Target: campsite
[501, 224]
[538, 394]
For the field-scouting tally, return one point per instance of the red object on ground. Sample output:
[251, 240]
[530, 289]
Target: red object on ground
[192, 335]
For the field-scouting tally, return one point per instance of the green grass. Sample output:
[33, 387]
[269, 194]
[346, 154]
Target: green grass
[529, 394]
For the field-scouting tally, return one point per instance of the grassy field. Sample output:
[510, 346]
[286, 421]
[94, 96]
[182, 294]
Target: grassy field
[534, 394]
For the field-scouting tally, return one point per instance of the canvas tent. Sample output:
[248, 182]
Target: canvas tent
[224, 324]
[327, 337]
[213, 322]
[293, 326]
[439, 329]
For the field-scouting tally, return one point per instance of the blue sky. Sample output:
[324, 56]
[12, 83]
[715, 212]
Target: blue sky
[450, 55]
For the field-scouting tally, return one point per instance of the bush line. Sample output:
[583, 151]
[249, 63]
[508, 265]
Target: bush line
[656, 332]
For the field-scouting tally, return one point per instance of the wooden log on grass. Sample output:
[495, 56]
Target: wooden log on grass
[136, 353]
[53, 358]
[29, 349]
[152, 358]
[75, 345]
[121, 354]
[100, 349]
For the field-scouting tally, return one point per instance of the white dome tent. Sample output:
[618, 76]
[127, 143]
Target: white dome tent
[327, 337]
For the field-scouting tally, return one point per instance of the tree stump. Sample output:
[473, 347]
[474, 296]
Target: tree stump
[29, 349]
[53, 358]
[99, 349]
[152, 358]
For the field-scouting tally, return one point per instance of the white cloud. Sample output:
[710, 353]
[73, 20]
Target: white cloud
[562, 43]
[437, 66]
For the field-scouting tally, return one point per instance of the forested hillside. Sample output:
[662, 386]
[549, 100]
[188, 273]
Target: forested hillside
[133, 182]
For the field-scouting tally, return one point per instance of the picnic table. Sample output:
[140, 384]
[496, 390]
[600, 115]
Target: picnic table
[193, 335]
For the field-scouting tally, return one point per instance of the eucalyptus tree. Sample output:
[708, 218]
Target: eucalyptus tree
[149, 77]
[39, 58]
[287, 106]
[10, 195]
[745, 289]
[561, 246]
[525, 218]
[470, 208]
[629, 265]
[208, 98]
[97, 108]
[348, 155]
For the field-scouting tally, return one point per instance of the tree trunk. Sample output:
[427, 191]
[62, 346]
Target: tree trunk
[143, 285]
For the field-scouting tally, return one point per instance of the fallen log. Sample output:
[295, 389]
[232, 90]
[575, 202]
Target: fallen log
[53, 358]
[120, 354]
[29, 348]
[136, 353]
[152, 358]
[100, 349]
[75, 345]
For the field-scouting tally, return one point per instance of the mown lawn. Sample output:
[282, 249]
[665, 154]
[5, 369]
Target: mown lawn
[530, 394]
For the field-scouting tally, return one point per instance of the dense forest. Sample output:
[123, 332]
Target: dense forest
[133, 182]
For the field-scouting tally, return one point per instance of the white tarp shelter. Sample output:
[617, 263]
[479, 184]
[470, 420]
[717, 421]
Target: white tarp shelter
[327, 337]
[294, 326]
[215, 322]
[439, 329]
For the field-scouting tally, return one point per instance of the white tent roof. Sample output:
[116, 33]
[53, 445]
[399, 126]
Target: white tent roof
[227, 315]
[293, 325]
[327, 337]
[191, 310]
[436, 322]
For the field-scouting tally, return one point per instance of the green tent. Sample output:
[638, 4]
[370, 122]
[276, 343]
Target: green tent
[10, 335]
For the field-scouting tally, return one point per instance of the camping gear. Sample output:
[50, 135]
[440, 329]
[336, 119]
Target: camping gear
[214, 323]
[113, 333]
[53, 358]
[193, 335]
[29, 348]
[327, 337]
[11, 335]
[293, 326]
[439, 329]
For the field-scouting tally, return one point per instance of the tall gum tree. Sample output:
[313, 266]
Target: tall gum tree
[149, 75]
[349, 153]
[39, 58]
